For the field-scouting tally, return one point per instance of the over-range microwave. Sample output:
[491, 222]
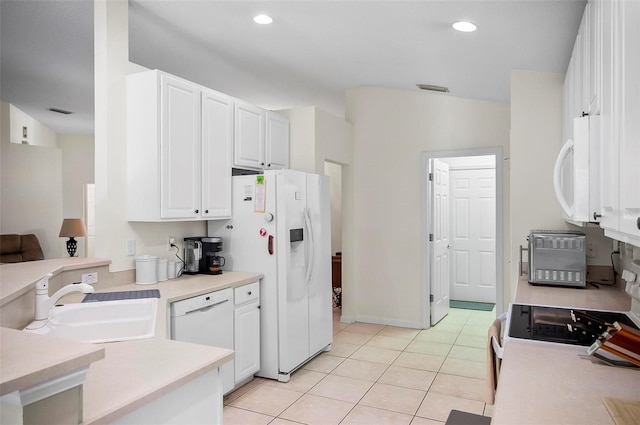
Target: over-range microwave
[576, 172]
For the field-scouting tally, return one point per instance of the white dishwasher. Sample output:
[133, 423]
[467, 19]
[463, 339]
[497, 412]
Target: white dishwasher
[207, 320]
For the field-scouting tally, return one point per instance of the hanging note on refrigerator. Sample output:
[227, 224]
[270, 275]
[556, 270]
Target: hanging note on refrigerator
[260, 199]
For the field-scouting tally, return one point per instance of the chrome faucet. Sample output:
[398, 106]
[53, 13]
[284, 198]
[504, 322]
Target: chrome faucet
[44, 303]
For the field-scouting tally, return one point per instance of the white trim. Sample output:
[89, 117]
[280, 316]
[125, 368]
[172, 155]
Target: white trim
[425, 205]
[46, 389]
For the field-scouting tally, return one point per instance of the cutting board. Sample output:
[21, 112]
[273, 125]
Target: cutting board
[623, 412]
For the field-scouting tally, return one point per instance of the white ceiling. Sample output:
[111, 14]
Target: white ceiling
[310, 55]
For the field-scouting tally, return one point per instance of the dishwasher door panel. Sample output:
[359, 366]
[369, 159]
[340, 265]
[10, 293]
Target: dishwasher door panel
[212, 326]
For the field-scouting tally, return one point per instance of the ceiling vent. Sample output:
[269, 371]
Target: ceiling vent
[429, 87]
[60, 111]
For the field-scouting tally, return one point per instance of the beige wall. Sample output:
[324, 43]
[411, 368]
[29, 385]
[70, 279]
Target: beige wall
[30, 190]
[77, 171]
[316, 137]
[536, 138]
[37, 133]
[382, 218]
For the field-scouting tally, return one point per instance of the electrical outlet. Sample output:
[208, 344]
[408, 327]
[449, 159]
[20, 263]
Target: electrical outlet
[131, 247]
[90, 278]
[592, 252]
[170, 241]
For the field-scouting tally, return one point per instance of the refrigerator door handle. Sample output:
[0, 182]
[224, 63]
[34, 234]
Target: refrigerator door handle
[310, 245]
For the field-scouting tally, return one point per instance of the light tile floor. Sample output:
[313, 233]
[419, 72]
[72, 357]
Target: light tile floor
[378, 374]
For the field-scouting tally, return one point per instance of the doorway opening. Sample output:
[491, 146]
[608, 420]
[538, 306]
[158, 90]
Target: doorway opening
[334, 171]
[462, 230]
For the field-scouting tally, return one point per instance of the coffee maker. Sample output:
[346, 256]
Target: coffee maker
[201, 255]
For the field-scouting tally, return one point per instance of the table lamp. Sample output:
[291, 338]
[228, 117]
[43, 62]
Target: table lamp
[72, 227]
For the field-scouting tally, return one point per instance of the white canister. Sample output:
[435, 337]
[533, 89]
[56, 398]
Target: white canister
[162, 269]
[146, 270]
[171, 269]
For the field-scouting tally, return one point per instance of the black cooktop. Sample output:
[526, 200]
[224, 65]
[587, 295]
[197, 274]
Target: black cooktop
[550, 324]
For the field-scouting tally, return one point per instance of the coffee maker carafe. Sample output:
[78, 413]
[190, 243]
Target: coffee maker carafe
[192, 254]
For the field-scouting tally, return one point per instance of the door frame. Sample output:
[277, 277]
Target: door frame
[425, 220]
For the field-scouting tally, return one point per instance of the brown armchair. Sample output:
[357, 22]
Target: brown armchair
[19, 248]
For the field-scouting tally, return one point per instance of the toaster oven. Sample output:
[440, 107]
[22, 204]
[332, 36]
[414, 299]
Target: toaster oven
[558, 257]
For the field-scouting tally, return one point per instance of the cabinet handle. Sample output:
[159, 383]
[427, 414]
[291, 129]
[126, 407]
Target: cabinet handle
[596, 215]
[197, 211]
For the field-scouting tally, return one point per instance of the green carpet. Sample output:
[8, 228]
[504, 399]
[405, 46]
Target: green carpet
[469, 305]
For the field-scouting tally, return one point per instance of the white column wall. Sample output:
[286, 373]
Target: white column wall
[112, 228]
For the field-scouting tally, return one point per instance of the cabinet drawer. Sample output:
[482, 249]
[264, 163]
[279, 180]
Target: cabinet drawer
[247, 293]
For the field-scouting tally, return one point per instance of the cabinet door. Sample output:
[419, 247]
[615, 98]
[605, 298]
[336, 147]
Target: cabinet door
[217, 142]
[249, 135]
[630, 119]
[609, 145]
[277, 147]
[593, 52]
[180, 153]
[247, 341]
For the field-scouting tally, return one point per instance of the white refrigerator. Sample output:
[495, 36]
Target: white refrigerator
[281, 227]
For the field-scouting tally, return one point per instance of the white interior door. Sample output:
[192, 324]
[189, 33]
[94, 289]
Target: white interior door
[473, 235]
[439, 240]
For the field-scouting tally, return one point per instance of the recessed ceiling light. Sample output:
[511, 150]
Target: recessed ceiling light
[464, 26]
[263, 19]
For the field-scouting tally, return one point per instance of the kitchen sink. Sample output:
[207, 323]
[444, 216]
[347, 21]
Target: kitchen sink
[96, 322]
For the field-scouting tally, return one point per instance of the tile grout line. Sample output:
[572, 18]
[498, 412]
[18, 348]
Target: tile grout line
[388, 366]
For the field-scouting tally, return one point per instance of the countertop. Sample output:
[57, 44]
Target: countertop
[132, 373]
[19, 278]
[546, 383]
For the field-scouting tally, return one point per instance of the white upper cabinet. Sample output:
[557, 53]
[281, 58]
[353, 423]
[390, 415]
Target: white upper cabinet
[249, 136]
[277, 143]
[620, 112]
[629, 131]
[178, 149]
[217, 154]
[261, 138]
[603, 78]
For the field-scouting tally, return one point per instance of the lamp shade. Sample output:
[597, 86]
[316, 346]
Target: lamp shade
[72, 227]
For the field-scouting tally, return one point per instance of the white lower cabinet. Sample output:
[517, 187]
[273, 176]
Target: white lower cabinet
[247, 331]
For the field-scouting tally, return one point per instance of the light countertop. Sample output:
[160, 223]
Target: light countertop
[19, 278]
[132, 373]
[547, 383]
